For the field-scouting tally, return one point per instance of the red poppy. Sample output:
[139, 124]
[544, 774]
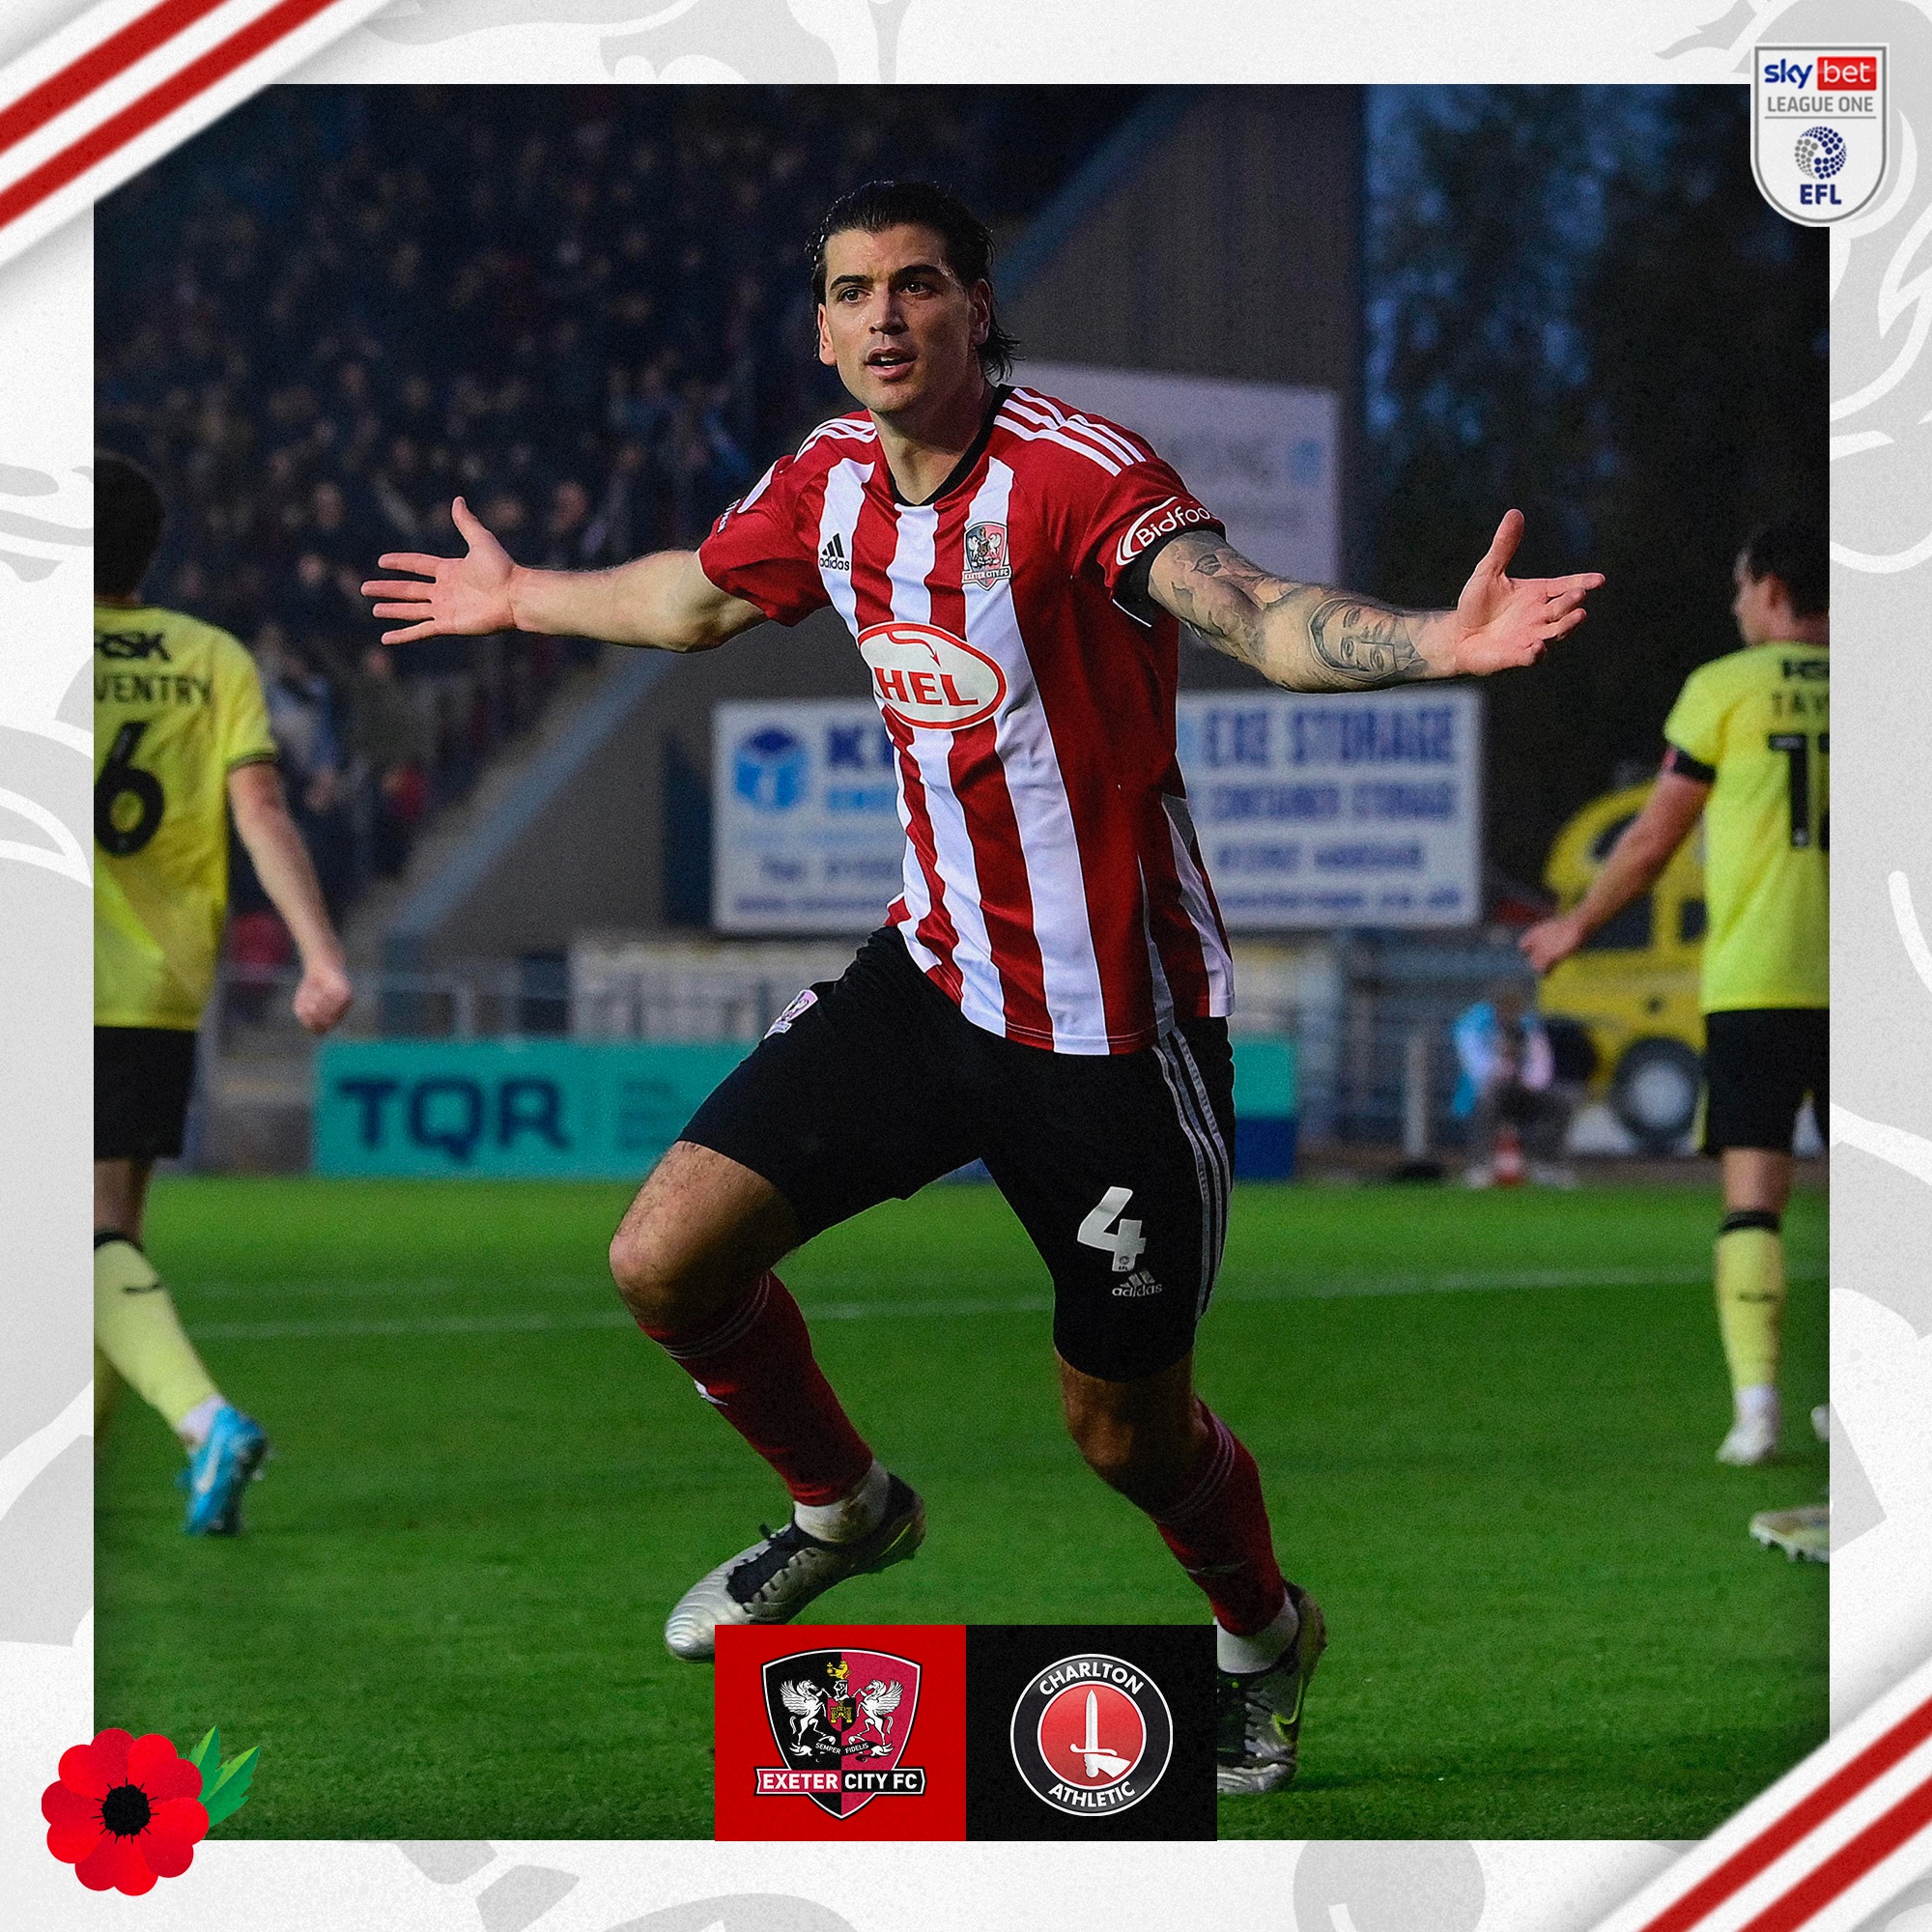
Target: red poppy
[126, 1812]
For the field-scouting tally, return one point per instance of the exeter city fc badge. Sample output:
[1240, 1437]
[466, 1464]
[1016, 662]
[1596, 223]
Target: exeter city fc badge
[1092, 1735]
[1818, 128]
[841, 1719]
[986, 560]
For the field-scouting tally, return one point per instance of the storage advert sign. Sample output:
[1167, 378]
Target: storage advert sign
[1357, 809]
[1332, 810]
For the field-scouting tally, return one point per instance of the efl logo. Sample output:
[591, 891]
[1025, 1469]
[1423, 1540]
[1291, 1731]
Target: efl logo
[1819, 129]
[1092, 1735]
[808, 1738]
[924, 676]
[1171, 514]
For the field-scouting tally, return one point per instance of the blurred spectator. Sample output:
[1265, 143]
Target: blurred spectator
[585, 309]
[390, 744]
[1509, 1094]
[302, 714]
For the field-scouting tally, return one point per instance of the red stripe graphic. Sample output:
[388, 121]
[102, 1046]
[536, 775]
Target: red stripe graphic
[97, 65]
[157, 104]
[1849, 1863]
[1803, 1818]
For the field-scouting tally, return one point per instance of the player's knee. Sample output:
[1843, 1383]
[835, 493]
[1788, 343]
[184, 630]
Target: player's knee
[1126, 1454]
[652, 1272]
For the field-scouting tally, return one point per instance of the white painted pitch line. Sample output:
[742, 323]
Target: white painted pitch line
[1342, 1288]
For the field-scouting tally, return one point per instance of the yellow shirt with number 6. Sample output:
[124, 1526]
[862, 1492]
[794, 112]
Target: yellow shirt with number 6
[1756, 726]
[177, 708]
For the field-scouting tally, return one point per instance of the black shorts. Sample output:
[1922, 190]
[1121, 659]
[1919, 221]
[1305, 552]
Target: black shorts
[142, 1080]
[1759, 1064]
[1117, 1165]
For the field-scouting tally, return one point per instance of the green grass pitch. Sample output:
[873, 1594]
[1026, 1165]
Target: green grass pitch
[1486, 1423]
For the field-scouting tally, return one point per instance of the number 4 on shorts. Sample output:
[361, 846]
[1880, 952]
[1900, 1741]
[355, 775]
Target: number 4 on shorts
[1103, 1228]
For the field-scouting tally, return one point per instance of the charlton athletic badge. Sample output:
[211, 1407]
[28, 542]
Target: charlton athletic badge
[986, 559]
[841, 1719]
[1818, 128]
[1092, 1735]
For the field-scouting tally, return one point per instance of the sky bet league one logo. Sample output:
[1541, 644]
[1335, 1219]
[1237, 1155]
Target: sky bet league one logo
[1818, 129]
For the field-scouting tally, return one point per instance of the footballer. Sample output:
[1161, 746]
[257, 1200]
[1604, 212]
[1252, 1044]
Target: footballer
[181, 736]
[1050, 991]
[1748, 752]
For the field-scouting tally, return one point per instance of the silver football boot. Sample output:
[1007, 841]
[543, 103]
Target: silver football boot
[778, 1576]
[1257, 1713]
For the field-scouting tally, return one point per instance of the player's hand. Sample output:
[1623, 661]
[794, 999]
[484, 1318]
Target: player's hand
[323, 994]
[467, 596]
[1503, 622]
[1552, 941]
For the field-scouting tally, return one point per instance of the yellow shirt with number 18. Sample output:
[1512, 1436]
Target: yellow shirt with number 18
[177, 706]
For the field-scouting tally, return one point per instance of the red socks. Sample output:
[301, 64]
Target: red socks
[754, 1365]
[1218, 1530]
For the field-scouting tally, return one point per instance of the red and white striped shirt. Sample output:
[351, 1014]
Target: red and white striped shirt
[1054, 887]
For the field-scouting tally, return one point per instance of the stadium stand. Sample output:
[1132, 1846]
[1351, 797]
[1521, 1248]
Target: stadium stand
[343, 306]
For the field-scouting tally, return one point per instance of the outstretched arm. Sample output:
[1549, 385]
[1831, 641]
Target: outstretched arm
[663, 601]
[1309, 637]
[1636, 863]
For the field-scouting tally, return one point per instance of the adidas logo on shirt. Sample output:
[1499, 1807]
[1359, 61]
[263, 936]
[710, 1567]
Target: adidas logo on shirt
[832, 553]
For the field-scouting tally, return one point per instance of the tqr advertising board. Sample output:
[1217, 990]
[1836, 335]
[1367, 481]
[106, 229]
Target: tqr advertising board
[1352, 810]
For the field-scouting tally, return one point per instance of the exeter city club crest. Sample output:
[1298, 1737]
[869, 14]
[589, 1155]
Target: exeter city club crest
[985, 561]
[841, 1719]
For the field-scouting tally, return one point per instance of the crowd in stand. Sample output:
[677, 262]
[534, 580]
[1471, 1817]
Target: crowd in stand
[586, 310]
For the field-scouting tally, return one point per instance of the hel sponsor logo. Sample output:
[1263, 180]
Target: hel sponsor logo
[986, 560]
[841, 1719]
[924, 676]
[1092, 1735]
[1172, 513]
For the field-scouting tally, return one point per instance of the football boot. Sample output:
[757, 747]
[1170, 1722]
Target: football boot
[784, 1570]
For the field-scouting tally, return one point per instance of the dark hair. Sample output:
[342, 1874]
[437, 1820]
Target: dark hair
[127, 517]
[1793, 549]
[966, 242]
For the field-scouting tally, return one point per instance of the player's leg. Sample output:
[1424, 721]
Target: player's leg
[1748, 1272]
[1757, 1080]
[830, 1113]
[693, 1260]
[142, 1081]
[1119, 1168]
[1158, 1443]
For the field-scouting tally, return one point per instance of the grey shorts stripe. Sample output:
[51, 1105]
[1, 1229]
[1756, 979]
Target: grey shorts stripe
[1202, 1134]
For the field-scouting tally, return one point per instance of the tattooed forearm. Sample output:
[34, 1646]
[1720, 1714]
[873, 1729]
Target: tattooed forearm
[1296, 634]
[1365, 643]
[1223, 596]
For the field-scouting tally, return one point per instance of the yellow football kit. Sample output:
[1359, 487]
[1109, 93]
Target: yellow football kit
[177, 708]
[1756, 726]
